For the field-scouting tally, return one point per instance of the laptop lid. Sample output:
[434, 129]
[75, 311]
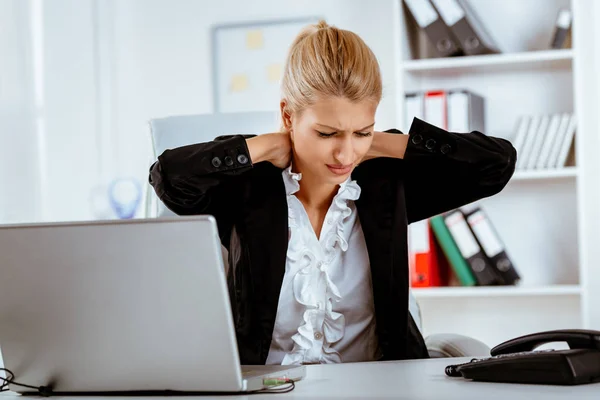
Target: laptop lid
[117, 306]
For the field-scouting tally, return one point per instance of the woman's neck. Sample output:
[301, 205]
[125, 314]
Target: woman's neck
[314, 194]
[316, 197]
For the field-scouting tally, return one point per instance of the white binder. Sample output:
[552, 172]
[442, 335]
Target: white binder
[557, 145]
[566, 143]
[521, 131]
[413, 108]
[539, 138]
[549, 140]
[529, 141]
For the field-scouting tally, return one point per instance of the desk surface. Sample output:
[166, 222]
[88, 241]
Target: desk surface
[417, 379]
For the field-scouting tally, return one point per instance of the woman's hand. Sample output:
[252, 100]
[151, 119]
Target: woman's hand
[281, 152]
[275, 148]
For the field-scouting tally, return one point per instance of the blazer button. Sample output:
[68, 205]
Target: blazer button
[242, 159]
[446, 149]
[216, 162]
[228, 161]
[430, 144]
[417, 139]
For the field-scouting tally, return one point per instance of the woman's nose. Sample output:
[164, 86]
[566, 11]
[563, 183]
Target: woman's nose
[344, 151]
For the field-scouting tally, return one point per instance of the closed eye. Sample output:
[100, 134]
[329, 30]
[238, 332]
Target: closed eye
[326, 135]
[323, 134]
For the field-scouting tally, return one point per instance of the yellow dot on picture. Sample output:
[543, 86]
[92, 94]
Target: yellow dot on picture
[274, 72]
[238, 83]
[254, 39]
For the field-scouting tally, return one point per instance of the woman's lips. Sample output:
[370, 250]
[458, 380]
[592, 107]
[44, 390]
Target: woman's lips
[339, 169]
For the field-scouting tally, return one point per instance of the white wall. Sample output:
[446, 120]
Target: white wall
[162, 59]
[19, 180]
[104, 68]
[49, 159]
[71, 109]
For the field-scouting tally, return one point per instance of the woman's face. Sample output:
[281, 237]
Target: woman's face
[331, 137]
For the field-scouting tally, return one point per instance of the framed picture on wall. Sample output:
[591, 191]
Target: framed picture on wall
[248, 60]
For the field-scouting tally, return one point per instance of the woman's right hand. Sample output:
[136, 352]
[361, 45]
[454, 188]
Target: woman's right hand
[275, 148]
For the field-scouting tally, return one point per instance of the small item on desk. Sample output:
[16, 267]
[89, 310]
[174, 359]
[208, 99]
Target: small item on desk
[517, 361]
[276, 381]
[277, 385]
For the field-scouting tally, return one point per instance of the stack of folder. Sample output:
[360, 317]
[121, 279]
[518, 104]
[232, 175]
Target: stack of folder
[545, 141]
[459, 244]
[452, 27]
[455, 110]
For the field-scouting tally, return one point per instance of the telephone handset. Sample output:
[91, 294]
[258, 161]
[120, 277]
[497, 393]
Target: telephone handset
[518, 361]
[575, 338]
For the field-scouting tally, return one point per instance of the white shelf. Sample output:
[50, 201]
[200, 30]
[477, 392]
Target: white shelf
[545, 174]
[496, 291]
[485, 63]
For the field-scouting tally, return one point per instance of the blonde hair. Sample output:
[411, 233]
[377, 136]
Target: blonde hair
[327, 61]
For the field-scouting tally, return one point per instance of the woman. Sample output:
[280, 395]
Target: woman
[315, 217]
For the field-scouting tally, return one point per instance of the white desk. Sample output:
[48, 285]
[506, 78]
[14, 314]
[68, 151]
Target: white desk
[415, 380]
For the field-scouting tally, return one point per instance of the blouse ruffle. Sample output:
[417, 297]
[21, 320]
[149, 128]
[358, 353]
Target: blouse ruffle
[310, 259]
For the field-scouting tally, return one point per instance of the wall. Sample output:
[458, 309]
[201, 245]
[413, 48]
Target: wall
[48, 119]
[71, 108]
[19, 178]
[162, 60]
[85, 76]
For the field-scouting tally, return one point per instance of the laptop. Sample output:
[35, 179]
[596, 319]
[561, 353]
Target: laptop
[121, 306]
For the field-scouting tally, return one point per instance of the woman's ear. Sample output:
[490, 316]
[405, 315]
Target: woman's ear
[286, 117]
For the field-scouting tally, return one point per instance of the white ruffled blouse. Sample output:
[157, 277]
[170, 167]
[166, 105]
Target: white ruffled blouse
[325, 312]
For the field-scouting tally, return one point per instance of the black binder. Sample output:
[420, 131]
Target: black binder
[480, 265]
[436, 31]
[491, 244]
[466, 26]
[562, 30]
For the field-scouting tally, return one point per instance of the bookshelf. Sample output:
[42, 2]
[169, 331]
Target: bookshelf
[549, 218]
[496, 291]
[497, 62]
[549, 174]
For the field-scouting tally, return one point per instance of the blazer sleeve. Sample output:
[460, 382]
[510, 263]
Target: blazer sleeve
[446, 170]
[203, 178]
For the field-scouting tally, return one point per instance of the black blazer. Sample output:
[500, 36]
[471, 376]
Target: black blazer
[440, 171]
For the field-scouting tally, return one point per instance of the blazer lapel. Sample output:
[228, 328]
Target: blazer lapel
[377, 212]
[266, 220]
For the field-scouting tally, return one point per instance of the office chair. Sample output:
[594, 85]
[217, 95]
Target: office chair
[178, 131]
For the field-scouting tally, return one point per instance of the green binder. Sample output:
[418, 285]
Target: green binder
[450, 249]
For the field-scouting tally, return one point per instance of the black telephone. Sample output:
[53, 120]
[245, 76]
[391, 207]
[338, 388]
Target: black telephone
[517, 361]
